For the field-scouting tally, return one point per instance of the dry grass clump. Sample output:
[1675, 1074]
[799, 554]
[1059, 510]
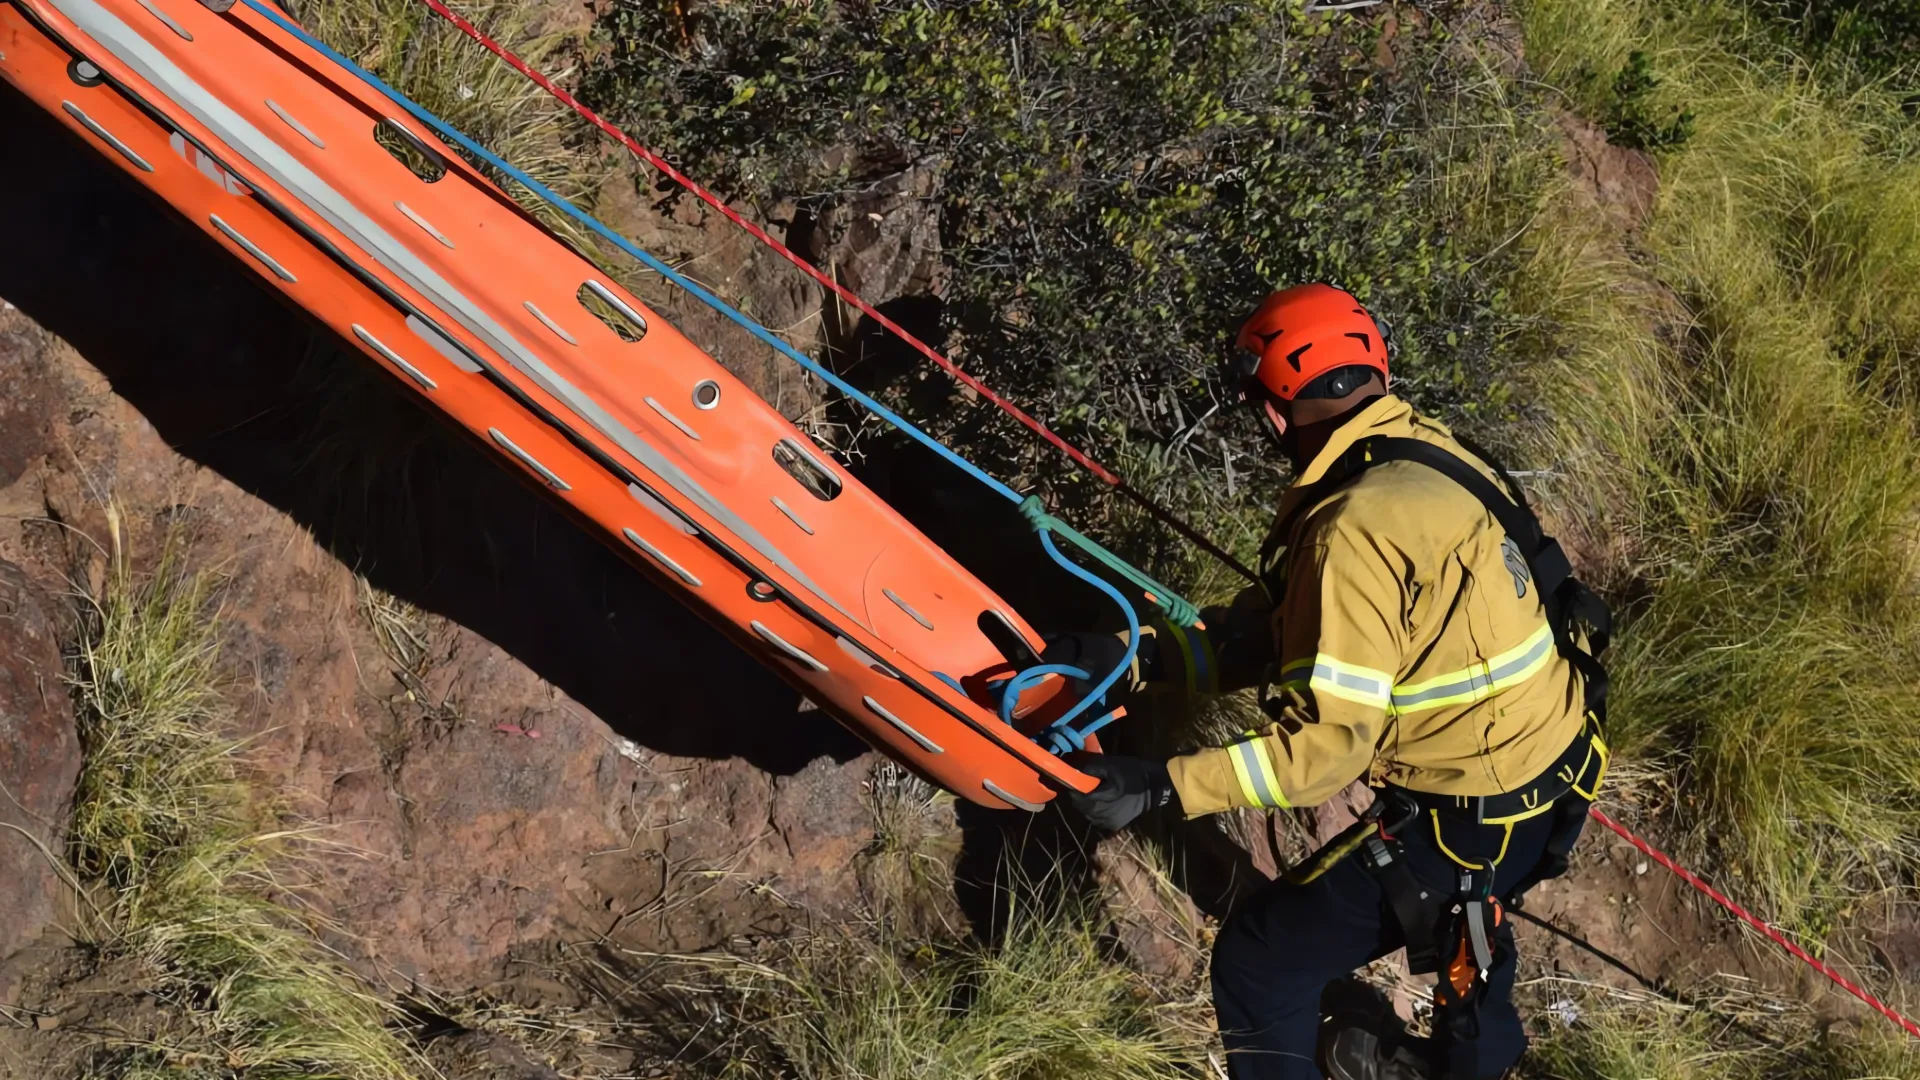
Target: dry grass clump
[421, 55]
[1736, 419]
[1639, 1037]
[184, 864]
[1047, 1002]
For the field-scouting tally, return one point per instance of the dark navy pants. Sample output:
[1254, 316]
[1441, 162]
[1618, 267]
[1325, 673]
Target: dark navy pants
[1284, 944]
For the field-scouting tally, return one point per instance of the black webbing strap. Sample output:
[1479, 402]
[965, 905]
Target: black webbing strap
[1564, 596]
[1415, 906]
[1579, 767]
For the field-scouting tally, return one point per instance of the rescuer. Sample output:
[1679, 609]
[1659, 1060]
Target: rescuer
[1416, 629]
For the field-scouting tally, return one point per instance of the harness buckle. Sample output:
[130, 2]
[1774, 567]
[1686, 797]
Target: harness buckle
[1398, 800]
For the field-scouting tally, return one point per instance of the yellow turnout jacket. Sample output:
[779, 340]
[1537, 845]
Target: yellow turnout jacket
[1411, 644]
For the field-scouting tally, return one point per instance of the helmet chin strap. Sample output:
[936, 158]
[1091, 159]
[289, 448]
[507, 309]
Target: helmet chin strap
[1276, 423]
[1283, 435]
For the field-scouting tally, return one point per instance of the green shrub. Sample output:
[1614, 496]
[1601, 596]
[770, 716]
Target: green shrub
[1118, 183]
[1632, 122]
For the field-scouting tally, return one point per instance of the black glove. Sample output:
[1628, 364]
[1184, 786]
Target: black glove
[1098, 654]
[1129, 787]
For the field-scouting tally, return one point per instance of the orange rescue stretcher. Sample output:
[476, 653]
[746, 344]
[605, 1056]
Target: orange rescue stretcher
[356, 213]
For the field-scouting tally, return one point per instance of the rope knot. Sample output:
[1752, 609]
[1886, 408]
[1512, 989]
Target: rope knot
[1035, 513]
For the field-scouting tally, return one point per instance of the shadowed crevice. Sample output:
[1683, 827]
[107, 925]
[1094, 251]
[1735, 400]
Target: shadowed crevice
[247, 386]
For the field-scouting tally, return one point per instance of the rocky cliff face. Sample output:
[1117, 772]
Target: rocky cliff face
[39, 762]
[520, 742]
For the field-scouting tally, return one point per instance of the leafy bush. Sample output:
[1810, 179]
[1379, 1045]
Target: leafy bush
[1632, 122]
[1118, 182]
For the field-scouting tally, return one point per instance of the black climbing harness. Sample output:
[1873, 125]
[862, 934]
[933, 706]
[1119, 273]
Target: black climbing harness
[1573, 609]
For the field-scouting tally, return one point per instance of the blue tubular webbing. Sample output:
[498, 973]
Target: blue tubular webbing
[646, 259]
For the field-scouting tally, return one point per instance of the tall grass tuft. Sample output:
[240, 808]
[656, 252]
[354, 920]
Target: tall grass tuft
[416, 52]
[1740, 413]
[1048, 1003]
[1658, 1041]
[184, 860]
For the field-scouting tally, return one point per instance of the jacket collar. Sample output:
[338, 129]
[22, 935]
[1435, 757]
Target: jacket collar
[1389, 415]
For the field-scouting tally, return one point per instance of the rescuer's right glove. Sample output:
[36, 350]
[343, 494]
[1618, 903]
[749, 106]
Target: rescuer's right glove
[1129, 787]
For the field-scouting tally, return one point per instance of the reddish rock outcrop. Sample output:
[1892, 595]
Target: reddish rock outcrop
[516, 743]
[39, 763]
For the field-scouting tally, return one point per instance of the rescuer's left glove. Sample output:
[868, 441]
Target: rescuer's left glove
[1129, 787]
[1098, 654]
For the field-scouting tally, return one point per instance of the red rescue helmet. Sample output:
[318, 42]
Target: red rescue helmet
[1302, 333]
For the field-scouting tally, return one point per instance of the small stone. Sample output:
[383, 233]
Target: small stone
[46, 1023]
[1640, 867]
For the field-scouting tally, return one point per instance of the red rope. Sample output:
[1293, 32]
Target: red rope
[1106, 475]
[1095, 467]
[1742, 914]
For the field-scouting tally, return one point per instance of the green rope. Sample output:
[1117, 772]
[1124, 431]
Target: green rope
[1178, 609]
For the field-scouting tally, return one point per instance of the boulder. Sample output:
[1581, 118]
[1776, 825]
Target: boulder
[39, 765]
[1156, 925]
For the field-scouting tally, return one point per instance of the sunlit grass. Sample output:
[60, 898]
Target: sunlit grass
[1655, 1040]
[185, 861]
[1048, 1002]
[424, 57]
[1735, 419]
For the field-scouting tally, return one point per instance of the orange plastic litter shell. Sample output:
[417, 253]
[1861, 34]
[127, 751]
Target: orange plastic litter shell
[445, 283]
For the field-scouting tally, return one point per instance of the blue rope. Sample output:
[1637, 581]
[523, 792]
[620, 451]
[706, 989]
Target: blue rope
[646, 259]
[1099, 692]
[1061, 736]
[1061, 727]
[1011, 689]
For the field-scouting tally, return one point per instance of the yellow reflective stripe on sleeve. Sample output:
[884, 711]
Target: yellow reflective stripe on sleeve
[1361, 685]
[1264, 752]
[1258, 782]
[1482, 680]
[1242, 774]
